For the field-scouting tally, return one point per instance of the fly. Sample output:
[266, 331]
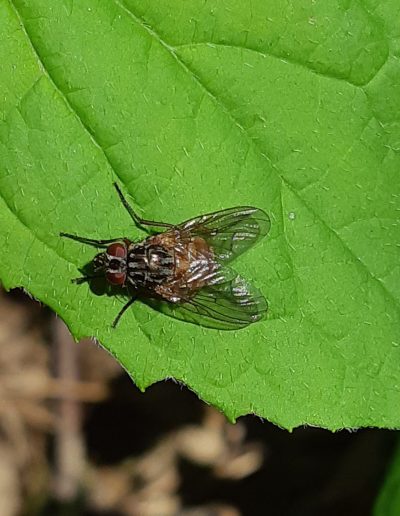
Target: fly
[185, 267]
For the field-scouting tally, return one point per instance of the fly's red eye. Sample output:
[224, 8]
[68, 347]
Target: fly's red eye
[117, 250]
[116, 278]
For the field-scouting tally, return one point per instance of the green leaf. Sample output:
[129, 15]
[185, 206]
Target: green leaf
[196, 106]
[388, 501]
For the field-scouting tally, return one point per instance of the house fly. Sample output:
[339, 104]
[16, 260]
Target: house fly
[184, 267]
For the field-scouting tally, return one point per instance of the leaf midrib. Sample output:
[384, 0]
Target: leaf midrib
[138, 21]
[254, 143]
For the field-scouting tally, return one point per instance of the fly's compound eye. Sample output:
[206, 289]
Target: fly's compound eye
[116, 267]
[116, 278]
[116, 250]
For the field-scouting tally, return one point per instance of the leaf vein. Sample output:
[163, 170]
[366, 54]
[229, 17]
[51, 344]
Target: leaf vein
[225, 109]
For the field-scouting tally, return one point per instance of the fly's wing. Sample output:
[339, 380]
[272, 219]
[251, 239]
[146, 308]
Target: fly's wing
[227, 302]
[229, 232]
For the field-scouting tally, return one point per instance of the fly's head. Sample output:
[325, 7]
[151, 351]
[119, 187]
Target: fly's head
[113, 263]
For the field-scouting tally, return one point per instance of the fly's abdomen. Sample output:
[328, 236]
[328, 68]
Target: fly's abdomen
[149, 265]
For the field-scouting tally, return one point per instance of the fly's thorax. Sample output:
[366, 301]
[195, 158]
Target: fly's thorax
[195, 254]
[149, 264]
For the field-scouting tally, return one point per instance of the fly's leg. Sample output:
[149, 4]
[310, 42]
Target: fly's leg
[135, 217]
[83, 279]
[122, 311]
[92, 241]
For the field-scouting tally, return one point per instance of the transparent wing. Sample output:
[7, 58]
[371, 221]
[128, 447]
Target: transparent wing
[229, 232]
[228, 302]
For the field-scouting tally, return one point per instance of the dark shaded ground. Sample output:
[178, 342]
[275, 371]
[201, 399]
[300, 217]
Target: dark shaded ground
[76, 437]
